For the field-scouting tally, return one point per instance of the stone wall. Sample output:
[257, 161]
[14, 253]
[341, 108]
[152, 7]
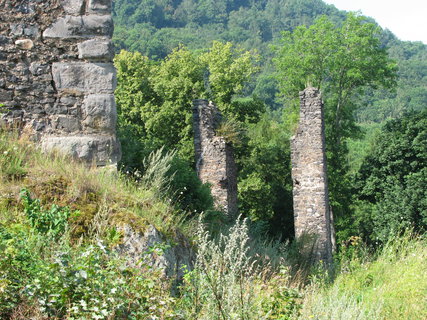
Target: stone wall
[214, 157]
[310, 188]
[57, 80]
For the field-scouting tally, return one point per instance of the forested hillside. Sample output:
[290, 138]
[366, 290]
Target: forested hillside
[156, 27]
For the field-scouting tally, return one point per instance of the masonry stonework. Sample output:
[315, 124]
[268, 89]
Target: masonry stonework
[310, 189]
[214, 157]
[57, 79]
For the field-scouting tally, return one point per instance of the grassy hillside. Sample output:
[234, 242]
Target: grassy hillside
[58, 257]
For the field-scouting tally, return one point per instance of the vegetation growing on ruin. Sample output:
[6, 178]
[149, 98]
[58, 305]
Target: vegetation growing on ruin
[60, 220]
[48, 273]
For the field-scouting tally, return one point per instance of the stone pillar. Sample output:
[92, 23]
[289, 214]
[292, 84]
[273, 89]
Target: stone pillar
[310, 187]
[57, 79]
[214, 157]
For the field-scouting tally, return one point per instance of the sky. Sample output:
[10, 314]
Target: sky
[407, 19]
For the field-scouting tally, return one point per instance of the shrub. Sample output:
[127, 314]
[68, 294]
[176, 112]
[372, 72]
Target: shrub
[227, 283]
[52, 222]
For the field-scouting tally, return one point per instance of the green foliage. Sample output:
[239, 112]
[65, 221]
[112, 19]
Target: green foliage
[388, 284]
[340, 61]
[55, 280]
[190, 193]
[343, 62]
[95, 283]
[154, 27]
[283, 303]
[393, 178]
[229, 69]
[155, 109]
[171, 178]
[411, 92]
[51, 222]
[265, 186]
[155, 100]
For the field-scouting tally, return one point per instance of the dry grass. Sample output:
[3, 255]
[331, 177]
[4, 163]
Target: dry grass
[56, 178]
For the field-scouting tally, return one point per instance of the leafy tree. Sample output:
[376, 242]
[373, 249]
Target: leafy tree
[392, 181]
[265, 185]
[155, 105]
[342, 62]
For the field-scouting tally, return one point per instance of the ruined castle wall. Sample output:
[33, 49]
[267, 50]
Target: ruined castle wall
[214, 157]
[310, 188]
[57, 80]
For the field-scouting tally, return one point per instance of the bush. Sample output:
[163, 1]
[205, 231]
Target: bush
[51, 222]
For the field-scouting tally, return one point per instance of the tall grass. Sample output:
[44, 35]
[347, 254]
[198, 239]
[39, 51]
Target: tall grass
[236, 275]
[56, 178]
[391, 284]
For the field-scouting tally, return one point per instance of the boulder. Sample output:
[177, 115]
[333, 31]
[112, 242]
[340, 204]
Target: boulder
[151, 247]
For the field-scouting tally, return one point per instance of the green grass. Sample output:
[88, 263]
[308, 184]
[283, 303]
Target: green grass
[393, 285]
[55, 178]
[61, 250]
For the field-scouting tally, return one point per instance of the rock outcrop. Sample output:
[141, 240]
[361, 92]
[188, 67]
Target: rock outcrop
[172, 258]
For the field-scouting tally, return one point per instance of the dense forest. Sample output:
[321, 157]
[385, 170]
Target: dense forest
[239, 54]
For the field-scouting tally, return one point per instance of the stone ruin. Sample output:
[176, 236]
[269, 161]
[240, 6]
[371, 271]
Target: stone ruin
[312, 214]
[57, 79]
[214, 157]
[57, 86]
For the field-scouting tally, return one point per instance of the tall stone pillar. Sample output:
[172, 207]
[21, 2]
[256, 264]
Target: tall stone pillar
[214, 157]
[57, 79]
[310, 187]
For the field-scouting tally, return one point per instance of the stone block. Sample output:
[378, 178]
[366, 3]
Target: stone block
[24, 44]
[5, 95]
[96, 49]
[72, 27]
[84, 77]
[3, 40]
[73, 7]
[16, 29]
[67, 124]
[102, 150]
[31, 31]
[99, 112]
[38, 69]
[99, 6]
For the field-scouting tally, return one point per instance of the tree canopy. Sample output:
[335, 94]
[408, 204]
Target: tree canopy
[392, 181]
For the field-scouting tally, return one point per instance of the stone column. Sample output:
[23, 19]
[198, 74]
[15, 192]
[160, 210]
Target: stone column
[57, 79]
[310, 187]
[214, 157]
